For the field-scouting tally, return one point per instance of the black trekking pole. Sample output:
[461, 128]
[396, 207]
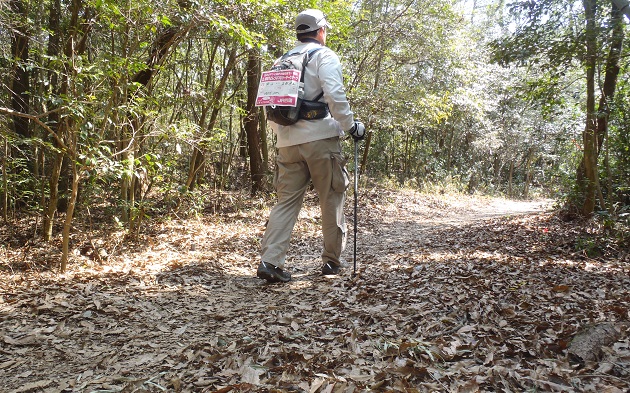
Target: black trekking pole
[356, 190]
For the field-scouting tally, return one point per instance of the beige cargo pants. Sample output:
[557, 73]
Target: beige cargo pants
[323, 163]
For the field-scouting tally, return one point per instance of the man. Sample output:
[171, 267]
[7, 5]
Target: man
[311, 150]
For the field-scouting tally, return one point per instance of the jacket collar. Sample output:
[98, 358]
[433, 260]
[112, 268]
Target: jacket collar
[309, 39]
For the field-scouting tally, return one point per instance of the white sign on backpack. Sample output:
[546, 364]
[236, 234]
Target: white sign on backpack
[278, 87]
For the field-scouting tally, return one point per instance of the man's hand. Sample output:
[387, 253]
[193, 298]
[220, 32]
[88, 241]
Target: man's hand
[357, 131]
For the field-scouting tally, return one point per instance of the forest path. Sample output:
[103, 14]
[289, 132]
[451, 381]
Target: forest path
[453, 293]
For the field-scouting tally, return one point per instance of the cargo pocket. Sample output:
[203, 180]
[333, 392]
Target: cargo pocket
[340, 177]
[275, 176]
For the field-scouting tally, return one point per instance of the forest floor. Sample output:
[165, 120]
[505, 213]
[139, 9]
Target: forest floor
[452, 294]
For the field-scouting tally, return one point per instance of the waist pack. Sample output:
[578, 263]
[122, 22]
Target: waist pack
[313, 110]
[304, 109]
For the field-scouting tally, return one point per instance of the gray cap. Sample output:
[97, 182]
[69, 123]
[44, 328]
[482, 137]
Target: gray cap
[310, 20]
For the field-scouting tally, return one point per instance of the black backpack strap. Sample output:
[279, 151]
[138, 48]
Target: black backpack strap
[307, 58]
[319, 96]
[310, 53]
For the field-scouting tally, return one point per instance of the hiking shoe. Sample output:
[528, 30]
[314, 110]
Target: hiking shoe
[272, 273]
[330, 269]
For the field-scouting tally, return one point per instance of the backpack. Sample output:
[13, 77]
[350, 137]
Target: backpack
[288, 115]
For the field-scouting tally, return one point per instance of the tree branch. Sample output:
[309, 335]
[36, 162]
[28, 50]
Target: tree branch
[36, 119]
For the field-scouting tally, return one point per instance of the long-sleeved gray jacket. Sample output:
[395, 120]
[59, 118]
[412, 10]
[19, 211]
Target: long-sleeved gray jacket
[323, 73]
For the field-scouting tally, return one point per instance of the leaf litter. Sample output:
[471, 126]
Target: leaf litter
[452, 294]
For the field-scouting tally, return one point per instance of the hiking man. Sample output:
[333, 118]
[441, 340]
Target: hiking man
[311, 150]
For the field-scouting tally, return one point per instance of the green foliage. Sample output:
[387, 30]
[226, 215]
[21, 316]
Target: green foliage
[549, 37]
[547, 33]
[442, 115]
[23, 187]
[619, 145]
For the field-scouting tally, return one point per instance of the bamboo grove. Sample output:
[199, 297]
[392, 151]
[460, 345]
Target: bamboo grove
[144, 108]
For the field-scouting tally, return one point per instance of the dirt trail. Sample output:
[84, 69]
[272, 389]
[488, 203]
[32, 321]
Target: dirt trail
[444, 301]
[493, 208]
[505, 207]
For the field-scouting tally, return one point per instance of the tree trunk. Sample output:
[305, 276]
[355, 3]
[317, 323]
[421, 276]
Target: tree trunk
[197, 161]
[611, 75]
[262, 126]
[53, 197]
[67, 226]
[528, 172]
[198, 155]
[608, 91]
[369, 124]
[251, 123]
[364, 157]
[75, 45]
[597, 121]
[451, 138]
[67, 129]
[510, 179]
[54, 41]
[589, 184]
[127, 157]
[197, 158]
[20, 85]
[5, 183]
[160, 48]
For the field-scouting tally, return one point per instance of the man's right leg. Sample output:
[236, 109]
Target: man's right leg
[291, 183]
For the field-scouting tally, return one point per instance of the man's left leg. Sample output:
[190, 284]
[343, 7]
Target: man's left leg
[330, 179]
